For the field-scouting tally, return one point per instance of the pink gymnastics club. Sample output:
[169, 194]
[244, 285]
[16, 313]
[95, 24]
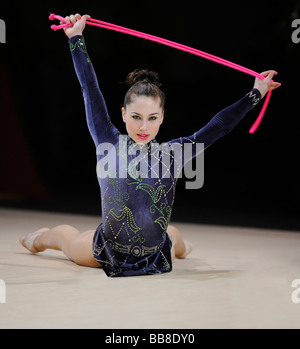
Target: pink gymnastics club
[173, 44]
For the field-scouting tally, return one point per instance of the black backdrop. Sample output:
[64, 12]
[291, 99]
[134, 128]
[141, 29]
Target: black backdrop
[48, 157]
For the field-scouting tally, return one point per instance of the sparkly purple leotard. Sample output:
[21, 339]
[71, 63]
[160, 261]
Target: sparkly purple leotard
[132, 238]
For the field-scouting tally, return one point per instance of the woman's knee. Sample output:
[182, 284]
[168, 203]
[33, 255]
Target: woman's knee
[66, 228]
[173, 232]
[81, 250]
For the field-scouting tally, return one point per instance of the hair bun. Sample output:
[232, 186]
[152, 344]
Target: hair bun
[139, 75]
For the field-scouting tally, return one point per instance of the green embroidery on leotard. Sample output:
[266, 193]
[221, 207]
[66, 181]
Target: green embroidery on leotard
[123, 212]
[126, 214]
[155, 194]
[138, 238]
[165, 211]
[80, 43]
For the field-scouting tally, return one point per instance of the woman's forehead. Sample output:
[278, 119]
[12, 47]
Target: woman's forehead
[145, 103]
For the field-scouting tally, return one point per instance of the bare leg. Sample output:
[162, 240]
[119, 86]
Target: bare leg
[180, 248]
[75, 245]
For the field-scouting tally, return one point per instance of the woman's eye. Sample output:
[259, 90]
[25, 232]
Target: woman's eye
[137, 117]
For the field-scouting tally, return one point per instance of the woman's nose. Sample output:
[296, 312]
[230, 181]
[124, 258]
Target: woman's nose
[143, 125]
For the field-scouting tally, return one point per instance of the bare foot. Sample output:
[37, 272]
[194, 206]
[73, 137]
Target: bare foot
[188, 249]
[28, 240]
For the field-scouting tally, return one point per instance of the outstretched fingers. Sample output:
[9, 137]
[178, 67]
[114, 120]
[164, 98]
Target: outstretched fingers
[266, 84]
[269, 75]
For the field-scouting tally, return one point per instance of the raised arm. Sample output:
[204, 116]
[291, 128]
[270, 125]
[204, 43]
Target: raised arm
[98, 121]
[226, 120]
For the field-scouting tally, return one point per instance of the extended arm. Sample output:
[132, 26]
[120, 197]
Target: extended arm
[98, 121]
[222, 123]
[226, 120]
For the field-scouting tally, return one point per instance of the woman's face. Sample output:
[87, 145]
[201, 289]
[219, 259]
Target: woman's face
[143, 117]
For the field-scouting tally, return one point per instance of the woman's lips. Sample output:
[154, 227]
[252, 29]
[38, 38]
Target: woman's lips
[142, 136]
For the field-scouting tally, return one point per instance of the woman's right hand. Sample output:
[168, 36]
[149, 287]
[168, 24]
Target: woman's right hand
[78, 24]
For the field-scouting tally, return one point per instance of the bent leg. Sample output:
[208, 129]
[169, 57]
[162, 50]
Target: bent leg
[180, 248]
[75, 245]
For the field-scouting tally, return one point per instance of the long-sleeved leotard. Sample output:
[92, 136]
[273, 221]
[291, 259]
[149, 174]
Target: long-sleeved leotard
[138, 183]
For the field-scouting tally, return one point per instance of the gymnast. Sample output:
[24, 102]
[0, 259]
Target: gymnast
[134, 237]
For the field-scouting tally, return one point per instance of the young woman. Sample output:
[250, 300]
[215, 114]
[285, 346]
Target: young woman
[134, 237]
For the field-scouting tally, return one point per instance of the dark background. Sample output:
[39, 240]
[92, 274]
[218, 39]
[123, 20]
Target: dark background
[48, 157]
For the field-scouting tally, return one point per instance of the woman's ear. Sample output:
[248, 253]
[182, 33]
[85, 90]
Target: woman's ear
[123, 113]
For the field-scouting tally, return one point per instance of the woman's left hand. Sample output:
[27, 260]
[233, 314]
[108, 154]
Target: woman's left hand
[267, 83]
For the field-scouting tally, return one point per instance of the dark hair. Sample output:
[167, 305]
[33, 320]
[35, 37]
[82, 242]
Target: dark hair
[144, 83]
